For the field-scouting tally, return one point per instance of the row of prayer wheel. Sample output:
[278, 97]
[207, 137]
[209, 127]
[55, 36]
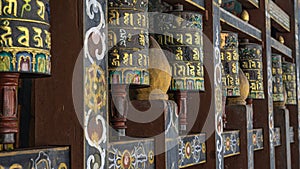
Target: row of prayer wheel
[248, 57]
[179, 34]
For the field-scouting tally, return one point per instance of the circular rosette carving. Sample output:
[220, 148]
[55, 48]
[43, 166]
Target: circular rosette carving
[95, 91]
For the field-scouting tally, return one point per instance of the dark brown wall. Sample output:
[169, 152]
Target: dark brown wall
[56, 122]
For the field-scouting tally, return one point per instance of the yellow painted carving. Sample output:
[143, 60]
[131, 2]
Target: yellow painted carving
[48, 39]
[6, 39]
[4, 63]
[112, 38]
[179, 38]
[26, 6]
[179, 54]
[142, 40]
[128, 19]
[191, 69]
[197, 38]
[189, 39]
[0, 7]
[151, 157]
[114, 17]
[196, 55]
[203, 148]
[62, 166]
[37, 37]
[11, 7]
[116, 58]
[41, 10]
[23, 39]
[41, 65]
[16, 166]
[127, 59]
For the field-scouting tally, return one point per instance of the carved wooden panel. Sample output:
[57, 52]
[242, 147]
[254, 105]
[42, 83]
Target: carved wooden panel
[131, 154]
[257, 139]
[48, 158]
[192, 150]
[231, 141]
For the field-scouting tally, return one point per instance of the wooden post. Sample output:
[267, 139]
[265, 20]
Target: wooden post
[282, 120]
[119, 106]
[9, 125]
[181, 100]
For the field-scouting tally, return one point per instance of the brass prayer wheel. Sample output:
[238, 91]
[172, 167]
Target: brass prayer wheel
[278, 92]
[250, 55]
[230, 63]
[128, 42]
[289, 80]
[182, 38]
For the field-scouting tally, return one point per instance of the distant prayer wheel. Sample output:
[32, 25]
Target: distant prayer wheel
[289, 80]
[25, 44]
[252, 66]
[278, 89]
[182, 37]
[128, 42]
[232, 6]
[128, 54]
[230, 63]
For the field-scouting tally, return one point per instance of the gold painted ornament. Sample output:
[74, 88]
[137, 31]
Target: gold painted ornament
[281, 39]
[245, 16]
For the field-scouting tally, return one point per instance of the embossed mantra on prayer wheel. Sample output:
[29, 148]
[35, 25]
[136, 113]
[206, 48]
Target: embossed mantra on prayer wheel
[25, 44]
[289, 80]
[251, 63]
[128, 54]
[180, 34]
[230, 63]
[128, 42]
[278, 92]
[182, 37]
